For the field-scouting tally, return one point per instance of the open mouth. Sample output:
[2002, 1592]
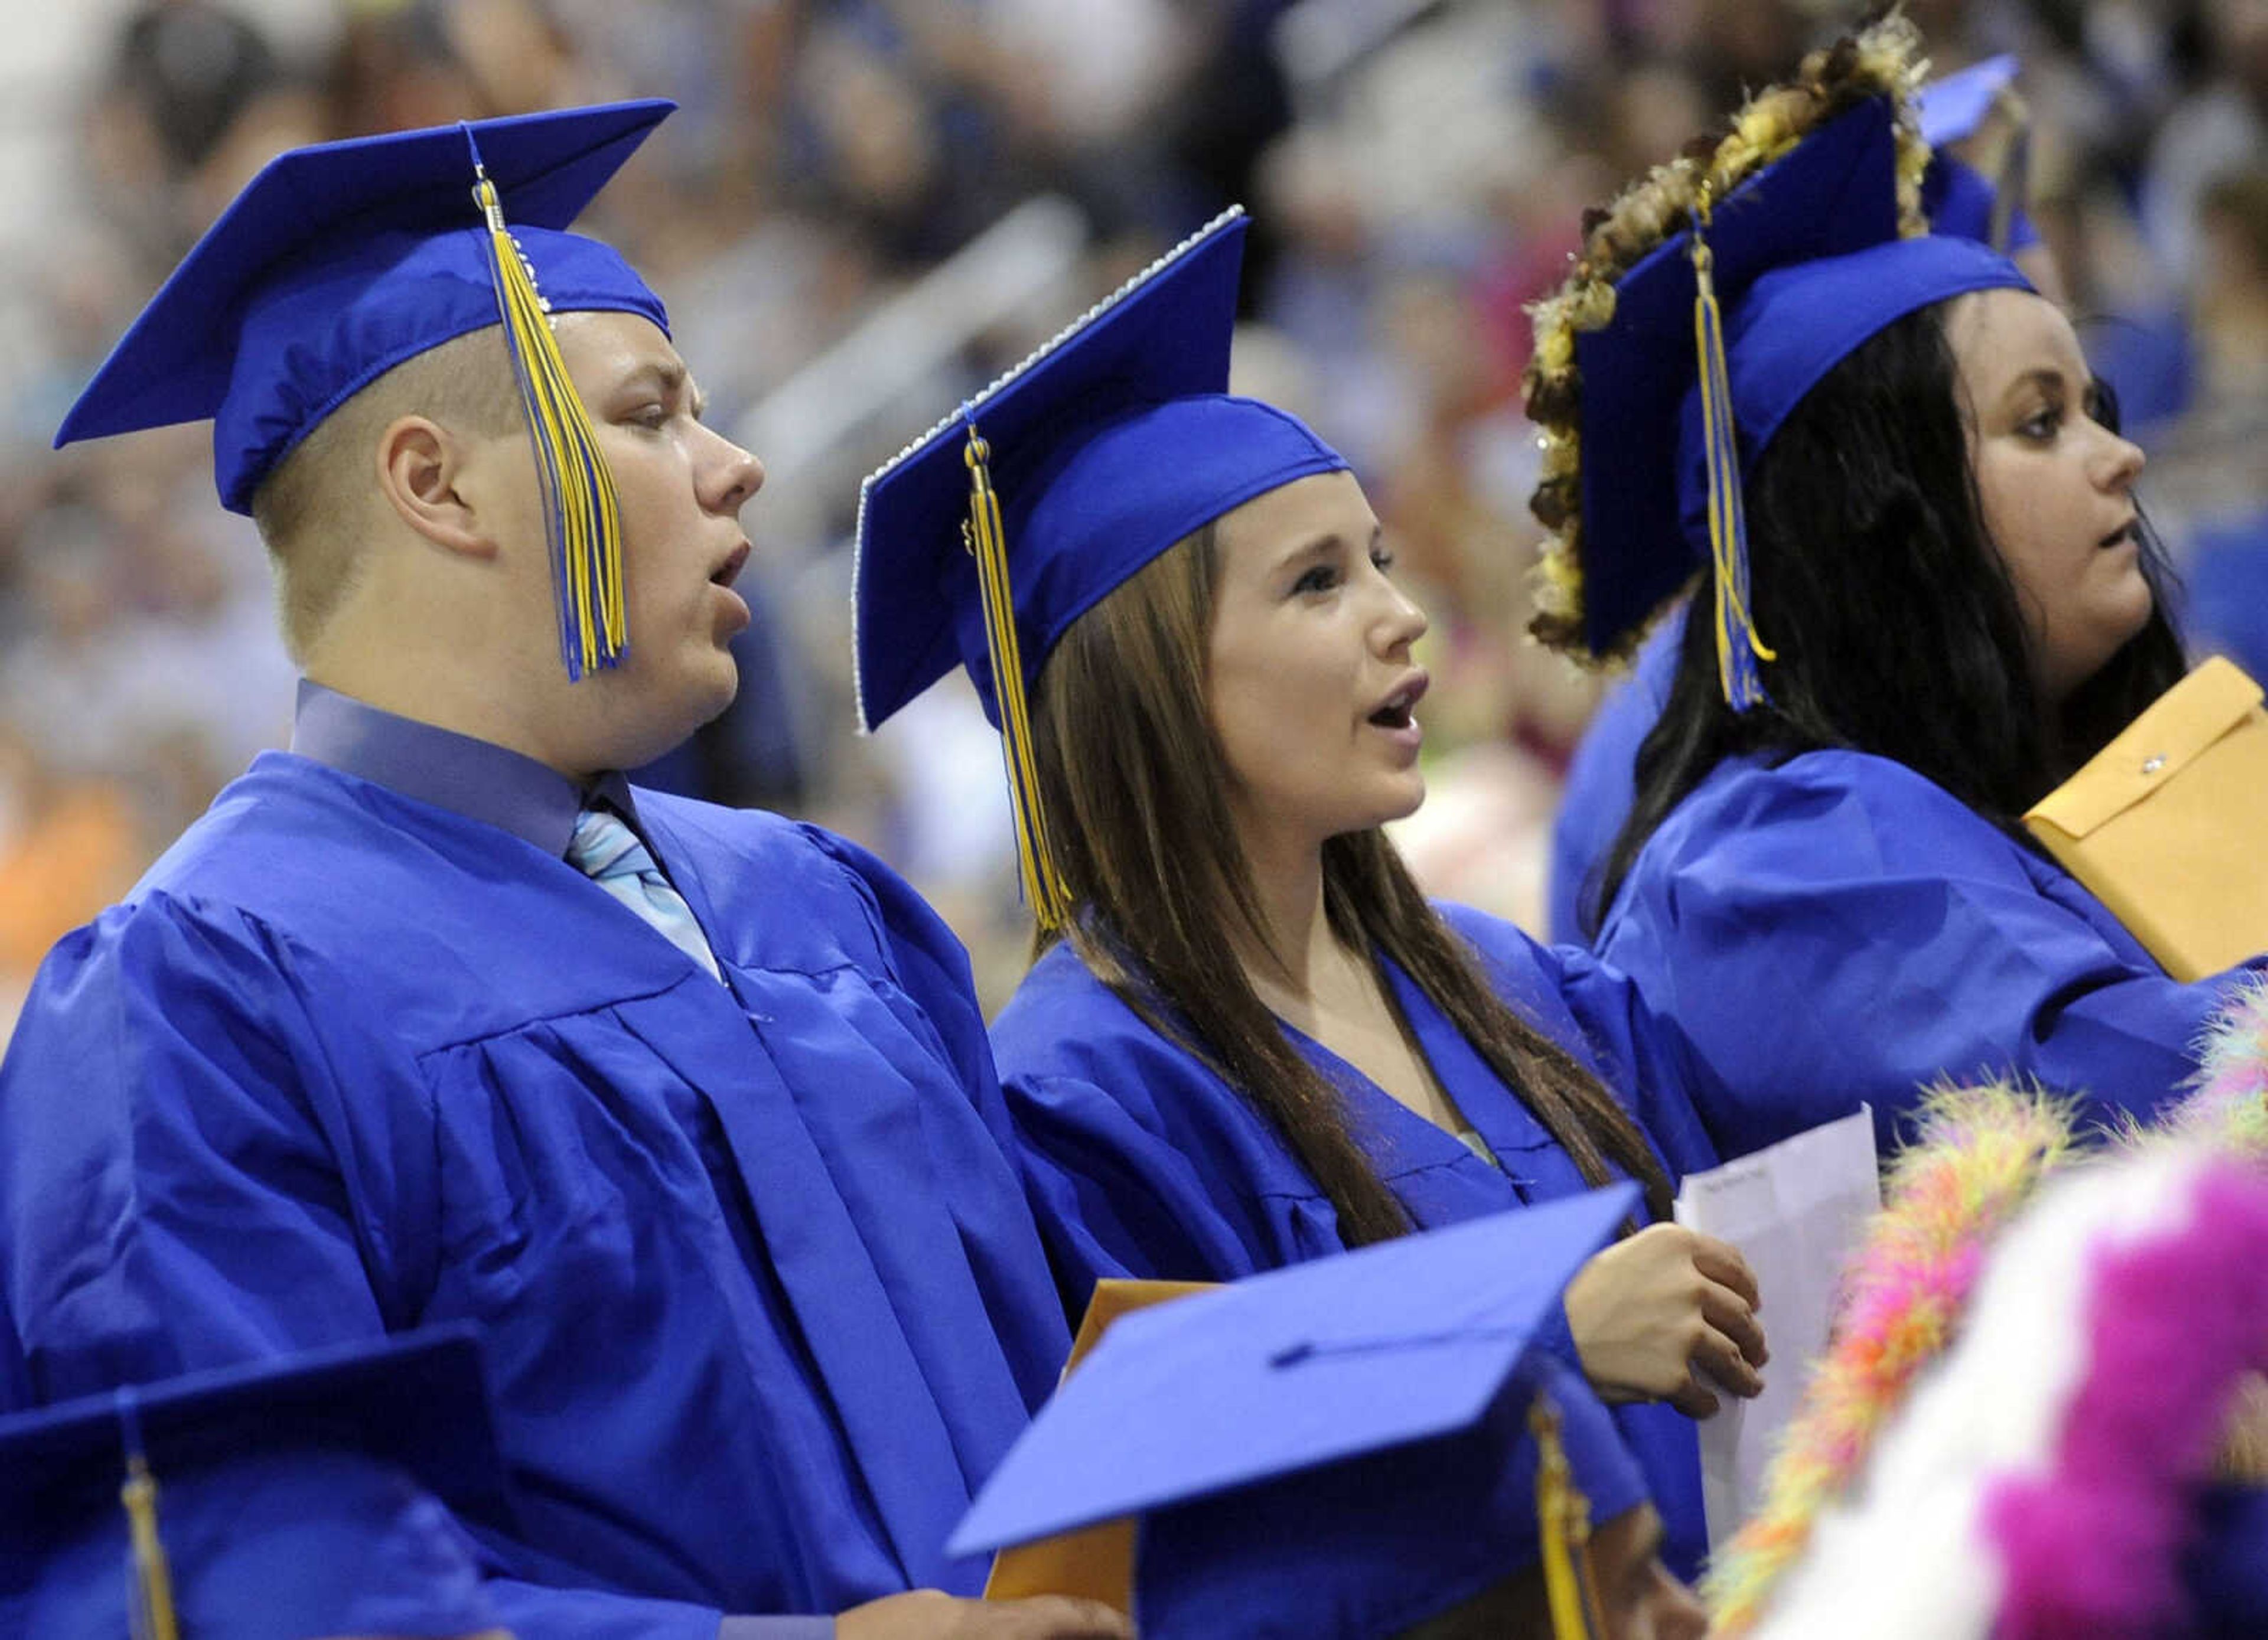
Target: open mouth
[1396, 713]
[729, 571]
[2120, 536]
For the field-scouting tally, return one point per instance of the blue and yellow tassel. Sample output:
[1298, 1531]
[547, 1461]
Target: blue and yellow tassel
[1739, 648]
[1563, 1521]
[150, 1584]
[581, 519]
[987, 542]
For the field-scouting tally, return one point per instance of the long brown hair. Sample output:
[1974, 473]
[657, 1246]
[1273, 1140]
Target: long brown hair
[1132, 774]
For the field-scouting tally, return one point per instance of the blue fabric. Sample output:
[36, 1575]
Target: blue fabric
[1371, 1548]
[2228, 589]
[607, 851]
[1602, 778]
[1838, 930]
[1106, 447]
[1960, 201]
[2225, 1570]
[762, 1296]
[477, 779]
[341, 260]
[277, 1547]
[1149, 1164]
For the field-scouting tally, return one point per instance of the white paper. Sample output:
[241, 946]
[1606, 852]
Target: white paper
[1795, 1211]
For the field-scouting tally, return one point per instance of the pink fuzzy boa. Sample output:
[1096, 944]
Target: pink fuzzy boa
[2090, 1546]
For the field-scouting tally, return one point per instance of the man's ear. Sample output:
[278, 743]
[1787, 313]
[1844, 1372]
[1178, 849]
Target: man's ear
[422, 471]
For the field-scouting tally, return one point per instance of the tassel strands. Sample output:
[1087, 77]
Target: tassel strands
[150, 1584]
[1563, 1519]
[1739, 649]
[582, 517]
[987, 542]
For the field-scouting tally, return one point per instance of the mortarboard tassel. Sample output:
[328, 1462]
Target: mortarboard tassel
[1563, 1519]
[581, 517]
[151, 1597]
[1739, 649]
[988, 543]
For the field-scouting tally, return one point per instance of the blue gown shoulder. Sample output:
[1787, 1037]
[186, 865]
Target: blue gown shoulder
[1835, 927]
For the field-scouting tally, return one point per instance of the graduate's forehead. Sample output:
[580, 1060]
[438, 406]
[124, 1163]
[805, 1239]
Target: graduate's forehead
[608, 351]
[2003, 339]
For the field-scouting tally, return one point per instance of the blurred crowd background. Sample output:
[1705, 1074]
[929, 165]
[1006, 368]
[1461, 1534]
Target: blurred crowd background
[866, 208]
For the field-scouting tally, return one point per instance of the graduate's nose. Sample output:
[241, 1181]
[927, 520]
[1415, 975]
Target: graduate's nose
[730, 476]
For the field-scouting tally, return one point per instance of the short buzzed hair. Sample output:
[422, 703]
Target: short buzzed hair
[311, 509]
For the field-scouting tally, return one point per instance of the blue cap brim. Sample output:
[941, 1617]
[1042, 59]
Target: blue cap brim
[418, 1400]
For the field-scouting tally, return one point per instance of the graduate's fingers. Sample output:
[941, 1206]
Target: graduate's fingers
[1693, 1398]
[1721, 1359]
[1058, 1617]
[1721, 1261]
[928, 1614]
[1726, 1311]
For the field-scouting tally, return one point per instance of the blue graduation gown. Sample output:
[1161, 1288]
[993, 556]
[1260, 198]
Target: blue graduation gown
[1602, 780]
[763, 1297]
[1838, 928]
[1149, 1166]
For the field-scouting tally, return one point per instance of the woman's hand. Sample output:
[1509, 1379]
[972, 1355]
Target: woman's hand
[1657, 1309]
[926, 1614]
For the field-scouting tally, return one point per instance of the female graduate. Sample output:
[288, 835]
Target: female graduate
[1932, 598]
[1248, 1039]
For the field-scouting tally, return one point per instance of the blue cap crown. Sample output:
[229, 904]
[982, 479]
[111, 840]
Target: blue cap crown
[1336, 1448]
[341, 260]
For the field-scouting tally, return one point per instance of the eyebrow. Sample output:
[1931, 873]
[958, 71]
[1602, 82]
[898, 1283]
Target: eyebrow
[1315, 545]
[2047, 380]
[671, 377]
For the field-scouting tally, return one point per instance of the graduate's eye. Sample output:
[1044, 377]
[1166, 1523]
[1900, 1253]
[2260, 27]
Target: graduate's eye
[1321, 577]
[652, 417]
[2042, 425]
[1381, 559]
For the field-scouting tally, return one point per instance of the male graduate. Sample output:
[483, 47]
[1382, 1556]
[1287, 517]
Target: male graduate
[434, 1017]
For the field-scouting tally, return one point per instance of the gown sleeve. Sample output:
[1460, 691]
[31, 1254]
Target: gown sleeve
[1600, 1015]
[171, 1117]
[1839, 929]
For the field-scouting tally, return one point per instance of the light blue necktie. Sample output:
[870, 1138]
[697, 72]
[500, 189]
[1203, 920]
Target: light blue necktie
[607, 850]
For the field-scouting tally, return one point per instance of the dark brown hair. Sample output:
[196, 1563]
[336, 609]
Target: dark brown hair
[1133, 779]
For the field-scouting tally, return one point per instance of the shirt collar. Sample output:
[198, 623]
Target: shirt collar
[477, 779]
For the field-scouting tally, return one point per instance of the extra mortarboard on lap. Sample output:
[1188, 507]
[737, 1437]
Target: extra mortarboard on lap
[286, 1499]
[1667, 361]
[342, 260]
[1348, 1447]
[984, 541]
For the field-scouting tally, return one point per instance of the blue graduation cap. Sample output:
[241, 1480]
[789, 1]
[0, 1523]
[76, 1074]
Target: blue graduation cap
[1690, 350]
[1950, 108]
[1340, 1448]
[342, 260]
[1957, 198]
[981, 542]
[270, 1501]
